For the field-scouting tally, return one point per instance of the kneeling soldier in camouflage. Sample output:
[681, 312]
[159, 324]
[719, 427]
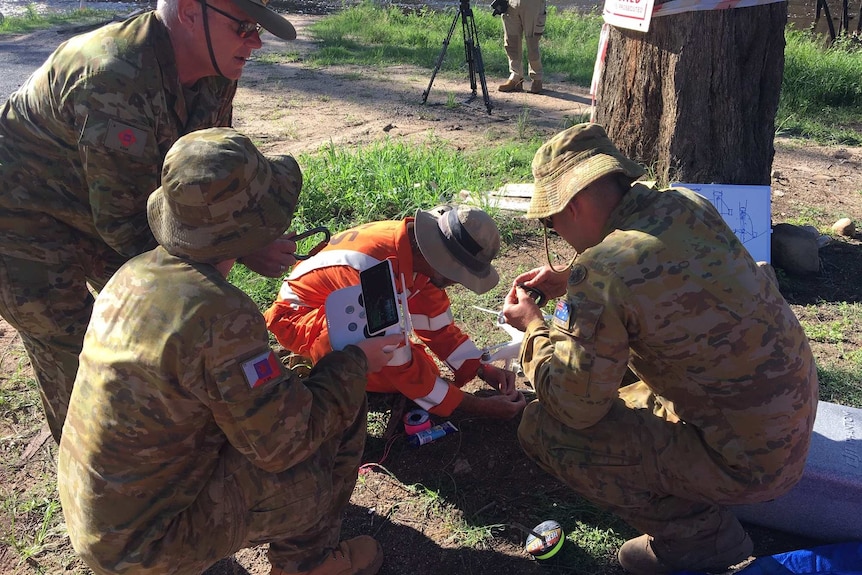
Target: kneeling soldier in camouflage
[725, 405]
[186, 439]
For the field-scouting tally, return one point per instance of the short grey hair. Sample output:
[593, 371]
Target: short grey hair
[168, 10]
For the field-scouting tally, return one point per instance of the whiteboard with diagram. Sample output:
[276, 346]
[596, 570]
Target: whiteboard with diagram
[746, 209]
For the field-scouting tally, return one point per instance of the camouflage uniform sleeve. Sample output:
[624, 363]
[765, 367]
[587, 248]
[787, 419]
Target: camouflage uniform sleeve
[577, 364]
[120, 181]
[271, 416]
[127, 120]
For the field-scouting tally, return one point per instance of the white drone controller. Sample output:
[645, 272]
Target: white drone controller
[372, 308]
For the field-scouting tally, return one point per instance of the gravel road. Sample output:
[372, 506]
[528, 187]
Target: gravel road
[21, 55]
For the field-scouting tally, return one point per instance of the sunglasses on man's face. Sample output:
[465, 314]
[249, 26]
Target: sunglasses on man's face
[548, 222]
[246, 27]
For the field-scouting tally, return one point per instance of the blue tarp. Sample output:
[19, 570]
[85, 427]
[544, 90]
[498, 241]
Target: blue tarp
[837, 559]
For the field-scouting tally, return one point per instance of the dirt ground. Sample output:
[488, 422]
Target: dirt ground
[293, 108]
[479, 475]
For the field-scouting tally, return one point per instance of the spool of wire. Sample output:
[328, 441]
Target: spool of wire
[416, 420]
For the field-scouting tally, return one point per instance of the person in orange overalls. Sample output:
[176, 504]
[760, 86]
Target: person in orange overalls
[437, 248]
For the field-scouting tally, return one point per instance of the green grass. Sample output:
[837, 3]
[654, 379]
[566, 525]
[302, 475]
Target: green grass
[831, 322]
[838, 328]
[344, 187]
[30, 542]
[376, 37]
[14, 395]
[841, 384]
[834, 326]
[33, 20]
[821, 95]
[262, 290]
[812, 216]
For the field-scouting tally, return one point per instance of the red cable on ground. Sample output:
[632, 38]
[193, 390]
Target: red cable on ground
[366, 467]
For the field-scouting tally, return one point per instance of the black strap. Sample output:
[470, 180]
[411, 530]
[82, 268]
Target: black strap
[461, 244]
[207, 33]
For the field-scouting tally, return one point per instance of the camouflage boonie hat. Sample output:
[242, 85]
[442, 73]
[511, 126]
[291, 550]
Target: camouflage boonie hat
[220, 198]
[459, 242]
[571, 161]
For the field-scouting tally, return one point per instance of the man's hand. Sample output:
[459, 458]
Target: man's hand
[379, 350]
[549, 282]
[502, 380]
[495, 406]
[520, 309]
[272, 260]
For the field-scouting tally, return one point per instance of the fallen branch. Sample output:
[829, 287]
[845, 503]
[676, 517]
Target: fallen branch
[35, 443]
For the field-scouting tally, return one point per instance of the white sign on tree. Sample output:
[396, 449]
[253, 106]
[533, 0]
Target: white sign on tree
[632, 14]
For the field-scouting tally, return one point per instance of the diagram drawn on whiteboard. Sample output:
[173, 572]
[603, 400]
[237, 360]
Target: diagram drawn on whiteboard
[746, 209]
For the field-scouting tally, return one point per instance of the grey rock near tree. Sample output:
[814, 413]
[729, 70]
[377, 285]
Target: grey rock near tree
[795, 249]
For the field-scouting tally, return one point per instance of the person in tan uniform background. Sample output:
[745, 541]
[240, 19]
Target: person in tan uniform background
[81, 147]
[727, 393]
[186, 438]
[523, 20]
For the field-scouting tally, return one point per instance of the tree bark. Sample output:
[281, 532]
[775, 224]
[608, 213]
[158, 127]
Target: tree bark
[695, 97]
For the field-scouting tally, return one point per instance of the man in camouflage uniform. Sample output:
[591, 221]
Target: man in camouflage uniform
[727, 395]
[81, 146]
[186, 439]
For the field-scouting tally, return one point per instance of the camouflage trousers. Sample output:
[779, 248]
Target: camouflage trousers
[45, 294]
[298, 512]
[642, 463]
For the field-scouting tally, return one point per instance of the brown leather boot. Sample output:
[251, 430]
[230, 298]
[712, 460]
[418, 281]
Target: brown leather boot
[536, 87]
[712, 552]
[512, 85]
[358, 556]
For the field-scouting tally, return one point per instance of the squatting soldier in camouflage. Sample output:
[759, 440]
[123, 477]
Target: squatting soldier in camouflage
[81, 147]
[186, 439]
[727, 395]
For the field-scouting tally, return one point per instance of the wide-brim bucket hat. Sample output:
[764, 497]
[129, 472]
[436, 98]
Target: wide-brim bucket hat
[459, 242]
[220, 198]
[272, 21]
[571, 161]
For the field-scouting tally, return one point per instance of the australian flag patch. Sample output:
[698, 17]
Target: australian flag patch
[562, 314]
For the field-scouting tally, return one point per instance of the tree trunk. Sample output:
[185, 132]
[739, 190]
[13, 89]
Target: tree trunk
[695, 97]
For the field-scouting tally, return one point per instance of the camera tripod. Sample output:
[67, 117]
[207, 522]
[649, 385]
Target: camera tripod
[472, 53]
